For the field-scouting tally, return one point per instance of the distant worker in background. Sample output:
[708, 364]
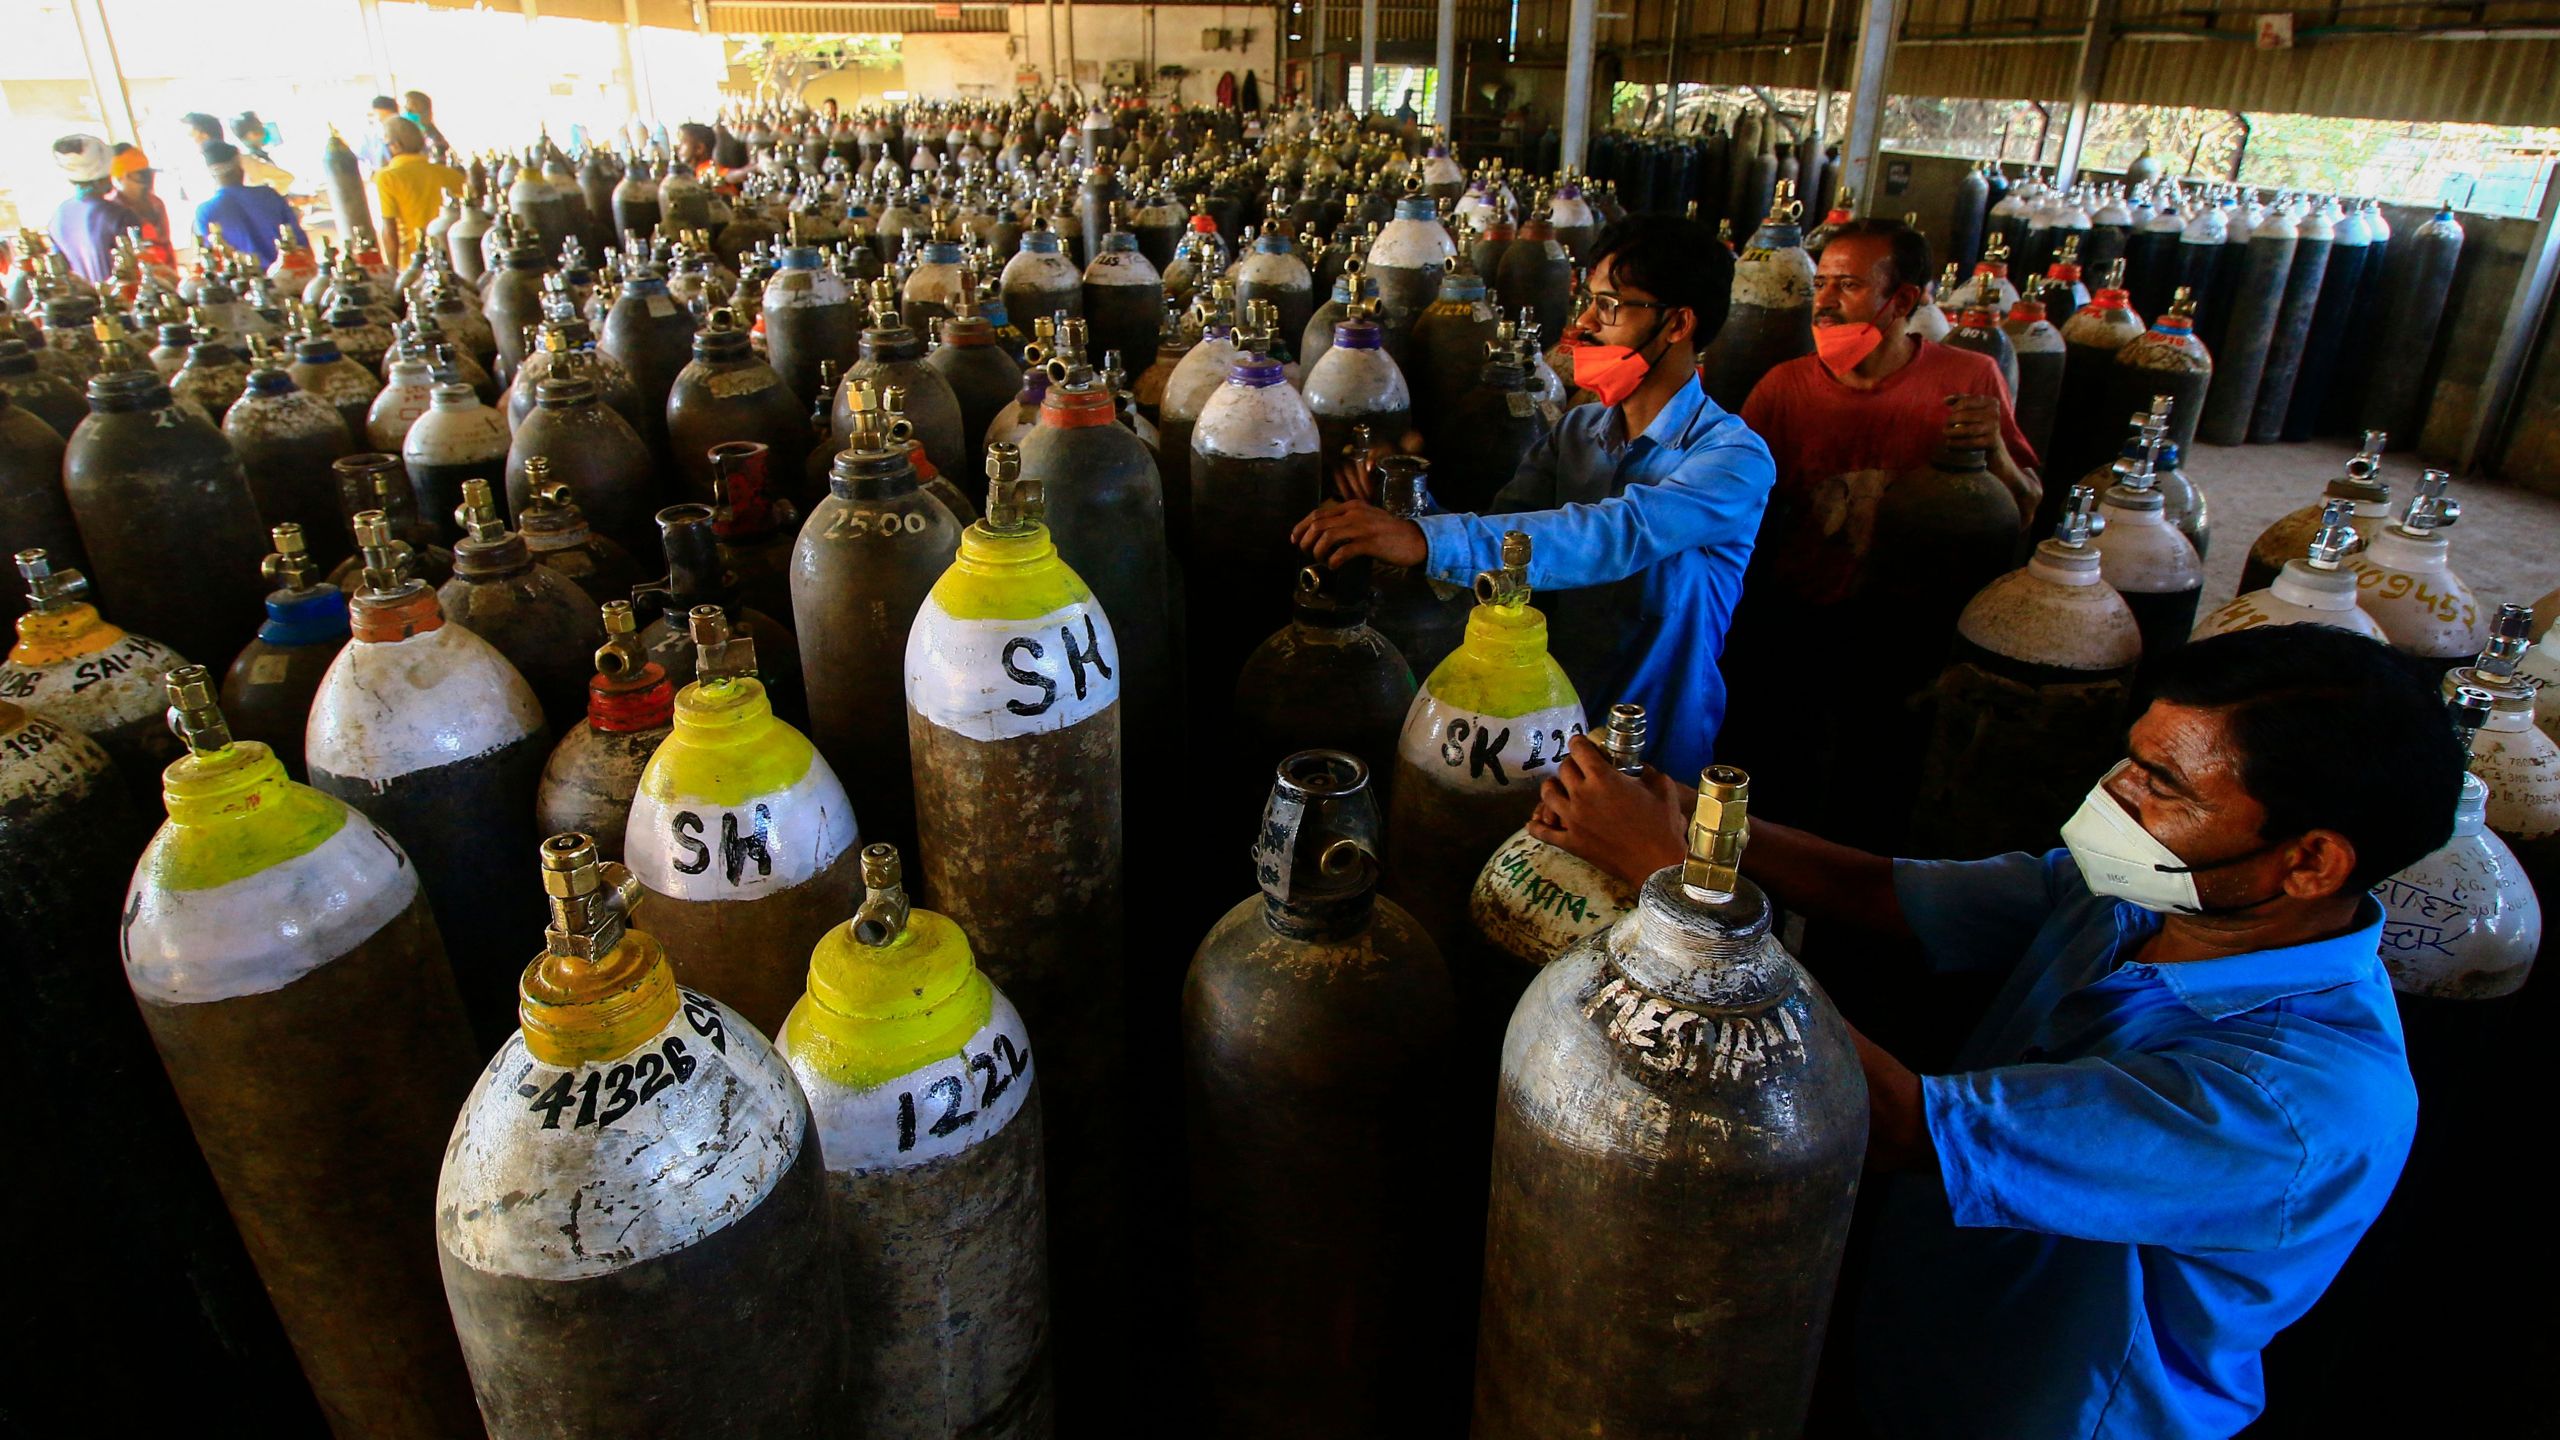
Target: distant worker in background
[373, 152]
[1405, 113]
[419, 109]
[249, 133]
[135, 181]
[698, 150]
[86, 225]
[250, 215]
[411, 186]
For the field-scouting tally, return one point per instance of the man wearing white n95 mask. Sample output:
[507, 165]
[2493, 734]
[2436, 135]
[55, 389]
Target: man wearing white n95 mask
[2190, 1097]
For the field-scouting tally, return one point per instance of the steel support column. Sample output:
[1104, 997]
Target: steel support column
[1319, 69]
[106, 72]
[1879, 22]
[2097, 42]
[1368, 57]
[2518, 333]
[1581, 30]
[377, 44]
[1444, 61]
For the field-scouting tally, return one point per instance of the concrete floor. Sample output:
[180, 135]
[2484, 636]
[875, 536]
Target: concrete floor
[2506, 546]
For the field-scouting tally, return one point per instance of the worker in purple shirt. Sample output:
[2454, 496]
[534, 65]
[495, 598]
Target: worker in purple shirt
[250, 215]
[86, 225]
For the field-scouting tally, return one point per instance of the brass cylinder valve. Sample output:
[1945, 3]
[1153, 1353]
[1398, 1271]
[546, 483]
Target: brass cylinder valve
[719, 654]
[1718, 829]
[591, 901]
[1509, 585]
[289, 566]
[195, 715]
[882, 916]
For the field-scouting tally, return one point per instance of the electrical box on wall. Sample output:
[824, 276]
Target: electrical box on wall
[1120, 72]
[1226, 39]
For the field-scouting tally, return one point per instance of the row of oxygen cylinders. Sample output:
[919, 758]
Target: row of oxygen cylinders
[637, 1158]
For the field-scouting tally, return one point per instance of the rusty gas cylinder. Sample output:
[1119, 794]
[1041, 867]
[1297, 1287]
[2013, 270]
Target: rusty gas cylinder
[688, 536]
[2317, 588]
[1256, 470]
[1488, 725]
[74, 667]
[371, 480]
[1533, 901]
[2032, 701]
[741, 833]
[727, 394]
[321, 368]
[860, 571]
[1013, 723]
[2359, 482]
[1678, 1073]
[542, 621]
[457, 439]
[289, 442]
[34, 513]
[557, 533]
[1324, 681]
[267, 695]
[983, 376]
[1327, 1210]
[166, 516]
[919, 1075]
[2406, 581]
[592, 775]
[273, 932]
[730, 1278]
[893, 355]
[607, 466]
[755, 524]
[426, 729]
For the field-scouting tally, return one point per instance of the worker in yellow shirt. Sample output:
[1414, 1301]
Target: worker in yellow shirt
[412, 188]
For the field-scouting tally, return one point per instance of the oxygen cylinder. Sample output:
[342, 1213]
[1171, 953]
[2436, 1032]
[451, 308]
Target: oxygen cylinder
[1300, 1001]
[1357, 383]
[635, 200]
[555, 530]
[44, 394]
[1450, 340]
[1040, 280]
[1123, 294]
[933, 281]
[1942, 533]
[607, 467]
[2040, 353]
[689, 538]
[1326, 680]
[2360, 483]
[2519, 763]
[257, 916]
[2463, 924]
[592, 775]
[741, 832]
[2314, 238]
[2142, 555]
[1013, 722]
[731, 1276]
[2220, 295]
[165, 515]
[454, 441]
[1771, 319]
[1271, 273]
[1408, 261]
[34, 513]
[1256, 470]
[2032, 701]
[860, 571]
[920, 1080]
[374, 481]
[650, 333]
[1318, 337]
[540, 620]
[212, 379]
[428, 731]
[2405, 581]
[1480, 735]
[1686, 1076]
[408, 392]
[2168, 360]
[2315, 590]
[1199, 258]
[892, 356]
[2086, 415]
[1537, 273]
[2152, 257]
[287, 442]
[76, 669]
[1187, 391]
[809, 316]
[2397, 397]
[512, 303]
[1929, 320]
[1964, 227]
[727, 394]
[1533, 902]
[1492, 243]
[2351, 244]
[2200, 247]
[1423, 618]
[1978, 329]
[321, 369]
[269, 689]
[983, 379]
[2249, 330]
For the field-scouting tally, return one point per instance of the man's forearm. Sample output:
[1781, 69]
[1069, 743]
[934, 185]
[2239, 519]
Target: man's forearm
[1824, 881]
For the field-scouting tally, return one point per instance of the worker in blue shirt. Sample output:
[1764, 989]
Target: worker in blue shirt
[2190, 1097]
[1641, 509]
[250, 215]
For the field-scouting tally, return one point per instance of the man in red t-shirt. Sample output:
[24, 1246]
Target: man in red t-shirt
[1871, 403]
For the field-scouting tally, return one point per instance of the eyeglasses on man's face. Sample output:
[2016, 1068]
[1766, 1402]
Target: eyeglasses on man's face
[1608, 307]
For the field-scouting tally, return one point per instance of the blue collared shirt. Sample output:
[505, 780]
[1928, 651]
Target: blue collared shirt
[1641, 558]
[249, 215]
[2144, 1171]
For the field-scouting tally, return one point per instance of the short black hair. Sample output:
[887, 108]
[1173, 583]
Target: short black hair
[700, 133]
[220, 152]
[385, 102]
[1677, 261]
[202, 124]
[2334, 732]
[1908, 248]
